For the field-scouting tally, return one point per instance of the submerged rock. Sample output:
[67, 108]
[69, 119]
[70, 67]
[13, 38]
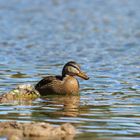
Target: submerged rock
[20, 93]
[42, 130]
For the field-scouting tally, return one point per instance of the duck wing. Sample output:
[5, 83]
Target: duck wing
[48, 81]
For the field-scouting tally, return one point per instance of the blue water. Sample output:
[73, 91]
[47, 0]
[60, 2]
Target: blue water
[38, 37]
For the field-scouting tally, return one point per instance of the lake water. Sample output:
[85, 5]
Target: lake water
[38, 37]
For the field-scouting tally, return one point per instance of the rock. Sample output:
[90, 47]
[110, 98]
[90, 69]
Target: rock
[25, 92]
[14, 137]
[17, 131]
[68, 128]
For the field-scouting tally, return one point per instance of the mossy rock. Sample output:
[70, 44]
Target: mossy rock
[25, 92]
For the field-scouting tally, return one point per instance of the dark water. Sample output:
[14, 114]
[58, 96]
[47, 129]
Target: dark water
[38, 37]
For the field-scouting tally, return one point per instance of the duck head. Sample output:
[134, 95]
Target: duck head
[73, 69]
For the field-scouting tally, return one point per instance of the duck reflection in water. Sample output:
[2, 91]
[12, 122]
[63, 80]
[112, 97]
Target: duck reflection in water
[62, 106]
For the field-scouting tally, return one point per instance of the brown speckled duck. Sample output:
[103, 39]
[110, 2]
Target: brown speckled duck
[65, 84]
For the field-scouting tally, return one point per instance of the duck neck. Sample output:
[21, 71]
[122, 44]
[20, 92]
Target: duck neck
[65, 76]
[63, 73]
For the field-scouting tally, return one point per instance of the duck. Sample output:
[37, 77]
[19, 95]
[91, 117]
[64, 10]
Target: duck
[64, 84]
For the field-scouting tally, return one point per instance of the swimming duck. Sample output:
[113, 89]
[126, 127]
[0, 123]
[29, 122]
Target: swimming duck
[65, 84]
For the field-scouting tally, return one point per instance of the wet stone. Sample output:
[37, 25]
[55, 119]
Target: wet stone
[16, 130]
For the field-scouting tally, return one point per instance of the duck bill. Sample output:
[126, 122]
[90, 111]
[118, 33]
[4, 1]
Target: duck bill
[83, 75]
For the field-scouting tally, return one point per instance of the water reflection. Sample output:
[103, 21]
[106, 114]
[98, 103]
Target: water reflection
[58, 106]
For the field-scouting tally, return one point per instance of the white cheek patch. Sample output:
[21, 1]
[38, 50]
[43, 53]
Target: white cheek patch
[72, 70]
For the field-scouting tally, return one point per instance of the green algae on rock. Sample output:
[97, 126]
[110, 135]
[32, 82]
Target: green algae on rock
[25, 92]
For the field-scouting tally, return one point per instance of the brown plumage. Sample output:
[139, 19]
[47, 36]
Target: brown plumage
[65, 84]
